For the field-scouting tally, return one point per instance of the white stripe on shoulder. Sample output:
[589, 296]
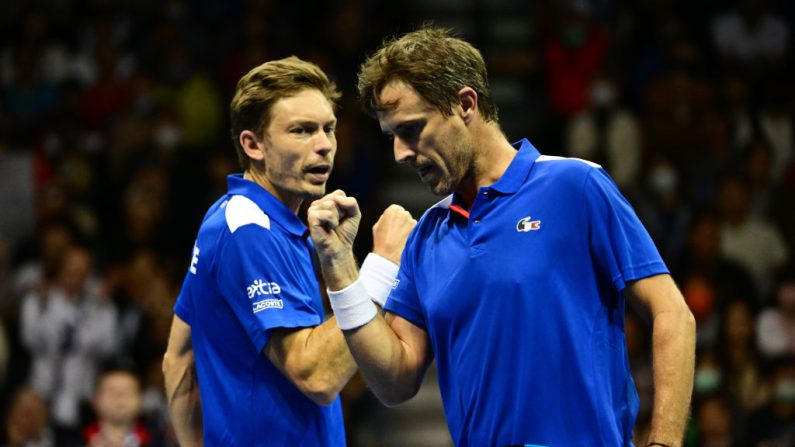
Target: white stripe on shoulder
[444, 203]
[542, 158]
[241, 211]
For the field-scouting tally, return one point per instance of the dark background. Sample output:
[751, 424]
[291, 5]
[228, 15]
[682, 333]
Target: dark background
[114, 141]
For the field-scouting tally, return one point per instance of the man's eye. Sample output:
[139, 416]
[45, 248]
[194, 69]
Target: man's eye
[298, 130]
[330, 129]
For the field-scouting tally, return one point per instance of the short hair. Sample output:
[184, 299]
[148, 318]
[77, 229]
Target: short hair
[433, 62]
[263, 86]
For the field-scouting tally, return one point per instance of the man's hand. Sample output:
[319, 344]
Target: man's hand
[333, 223]
[391, 231]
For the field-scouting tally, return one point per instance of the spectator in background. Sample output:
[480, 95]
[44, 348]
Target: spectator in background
[26, 422]
[715, 422]
[751, 37]
[608, 134]
[775, 326]
[117, 404]
[708, 279]
[69, 329]
[662, 207]
[774, 424]
[751, 241]
[572, 57]
[758, 164]
[740, 361]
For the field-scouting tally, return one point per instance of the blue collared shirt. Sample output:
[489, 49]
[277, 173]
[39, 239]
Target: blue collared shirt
[521, 298]
[251, 272]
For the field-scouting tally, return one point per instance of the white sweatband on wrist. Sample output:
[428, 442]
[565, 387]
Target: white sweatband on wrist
[352, 306]
[378, 275]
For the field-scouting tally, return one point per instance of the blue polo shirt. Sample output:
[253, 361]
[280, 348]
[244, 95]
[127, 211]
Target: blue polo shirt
[521, 300]
[252, 272]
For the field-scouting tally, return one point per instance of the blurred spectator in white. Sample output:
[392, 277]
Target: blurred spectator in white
[776, 125]
[54, 239]
[69, 329]
[751, 241]
[751, 35]
[27, 422]
[775, 325]
[117, 404]
[608, 134]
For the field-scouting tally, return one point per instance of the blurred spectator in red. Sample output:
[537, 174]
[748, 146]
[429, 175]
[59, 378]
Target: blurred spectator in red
[69, 329]
[117, 404]
[26, 422]
[572, 57]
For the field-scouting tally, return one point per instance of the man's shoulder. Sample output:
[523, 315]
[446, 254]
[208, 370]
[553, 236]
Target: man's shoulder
[559, 172]
[240, 211]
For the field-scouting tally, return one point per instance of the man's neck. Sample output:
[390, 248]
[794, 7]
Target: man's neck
[492, 156]
[258, 176]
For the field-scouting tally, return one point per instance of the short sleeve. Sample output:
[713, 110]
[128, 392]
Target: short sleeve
[268, 281]
[183, 304]
[621, 245]
[404, 300]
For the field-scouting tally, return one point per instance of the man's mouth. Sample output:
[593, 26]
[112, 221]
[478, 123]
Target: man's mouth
[319, 173]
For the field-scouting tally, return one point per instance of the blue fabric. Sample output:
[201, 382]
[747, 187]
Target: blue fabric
[522, 303]
[247, 283]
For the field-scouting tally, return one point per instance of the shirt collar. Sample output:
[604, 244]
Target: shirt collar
[511, 180]
[516, 174]
[273, 207]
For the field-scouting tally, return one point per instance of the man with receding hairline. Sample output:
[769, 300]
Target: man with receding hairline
[515, 283]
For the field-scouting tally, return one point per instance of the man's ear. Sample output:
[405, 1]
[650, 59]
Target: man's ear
[469, 104]
[254, 148]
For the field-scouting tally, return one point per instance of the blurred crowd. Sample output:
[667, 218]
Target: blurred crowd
[114, 141]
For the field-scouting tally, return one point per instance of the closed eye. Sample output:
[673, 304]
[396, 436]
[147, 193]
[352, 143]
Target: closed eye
[410, 131]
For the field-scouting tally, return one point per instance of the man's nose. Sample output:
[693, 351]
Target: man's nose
[403, 153]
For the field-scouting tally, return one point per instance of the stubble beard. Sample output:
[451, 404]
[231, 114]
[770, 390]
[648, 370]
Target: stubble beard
[459, 165]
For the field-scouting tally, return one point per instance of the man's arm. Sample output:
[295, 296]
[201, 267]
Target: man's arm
[316, 360]
[182, 387]
[673, 350]
[392, 353]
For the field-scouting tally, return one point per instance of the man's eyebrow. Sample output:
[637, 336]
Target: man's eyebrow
[407, 125]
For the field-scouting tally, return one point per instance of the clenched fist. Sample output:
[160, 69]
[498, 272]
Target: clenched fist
[391, 231]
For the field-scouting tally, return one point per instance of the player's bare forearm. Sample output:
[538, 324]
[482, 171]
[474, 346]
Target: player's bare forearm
[393, 355]
[316, 360]
[673, 351]
[673, 342]
[182, 387]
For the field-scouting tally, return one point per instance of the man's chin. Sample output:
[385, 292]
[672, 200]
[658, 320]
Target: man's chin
[316, 192]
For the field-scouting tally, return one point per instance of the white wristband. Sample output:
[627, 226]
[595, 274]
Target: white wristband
[378, 275]
[352, 306]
